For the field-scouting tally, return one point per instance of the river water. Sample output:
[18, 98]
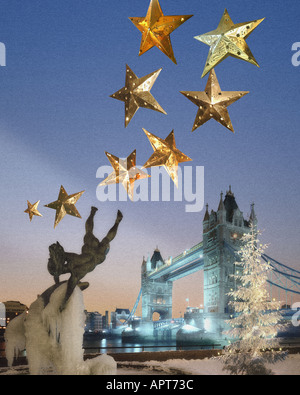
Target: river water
[116, 345]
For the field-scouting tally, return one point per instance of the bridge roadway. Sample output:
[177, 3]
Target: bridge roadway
[188, 262]
[174, 323]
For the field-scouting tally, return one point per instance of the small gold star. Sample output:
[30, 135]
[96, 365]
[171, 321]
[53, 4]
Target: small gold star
[213, 103]
[156, 29]
[65, 204]
[228, 40]
[165, 154]
[32, 210]
[125, 172]
[136, 94]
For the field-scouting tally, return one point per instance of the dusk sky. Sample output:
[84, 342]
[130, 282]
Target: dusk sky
[63, 61]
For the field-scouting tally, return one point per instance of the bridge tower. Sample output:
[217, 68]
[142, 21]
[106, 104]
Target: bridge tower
[228, 225]
[156, 294]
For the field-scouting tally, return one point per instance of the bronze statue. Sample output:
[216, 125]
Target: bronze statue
[93, 253]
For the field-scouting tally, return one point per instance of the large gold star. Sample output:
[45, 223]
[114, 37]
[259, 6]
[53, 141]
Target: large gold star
[165, 154]
[156, 29]
[213, 103]
[125, 172]
[228, 40]
[136, 94]
[65, 204]
[32, 210]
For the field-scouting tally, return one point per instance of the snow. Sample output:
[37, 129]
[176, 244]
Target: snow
[53, 339]
[208, 366]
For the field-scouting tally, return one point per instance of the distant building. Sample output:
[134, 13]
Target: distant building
[13, 309]
[118, 317]
[94, 322]
[106, 320]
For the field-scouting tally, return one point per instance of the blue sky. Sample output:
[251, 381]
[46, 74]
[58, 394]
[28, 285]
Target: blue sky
[64, 60]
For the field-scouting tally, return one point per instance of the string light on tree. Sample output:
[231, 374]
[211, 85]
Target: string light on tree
[256, 319]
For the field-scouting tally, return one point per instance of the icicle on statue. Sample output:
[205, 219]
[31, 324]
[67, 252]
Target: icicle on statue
[52, 329]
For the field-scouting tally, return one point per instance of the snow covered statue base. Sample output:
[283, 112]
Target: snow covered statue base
[53, 339]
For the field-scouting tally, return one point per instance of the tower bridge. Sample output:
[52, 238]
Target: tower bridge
[188, 262]
[216, 256]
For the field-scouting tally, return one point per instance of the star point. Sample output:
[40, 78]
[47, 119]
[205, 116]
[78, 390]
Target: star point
[228, 39]
[65, 204]
[124, 172]
[156, 29]
[165, 154]
[32, 210]
[136, 94]
[213, 103]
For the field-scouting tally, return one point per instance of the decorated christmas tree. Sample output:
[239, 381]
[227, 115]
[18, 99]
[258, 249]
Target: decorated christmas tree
[256, 318]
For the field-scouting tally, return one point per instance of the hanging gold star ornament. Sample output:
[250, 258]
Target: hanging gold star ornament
[228, 40]
[136, 94]
[165, 154]
[124, 172]
[213, 103]
[65, 204]
[32, 209]
[156, 29]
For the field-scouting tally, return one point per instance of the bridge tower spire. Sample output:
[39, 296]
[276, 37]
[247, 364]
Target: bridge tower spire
[253, 218]
[221, 213]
